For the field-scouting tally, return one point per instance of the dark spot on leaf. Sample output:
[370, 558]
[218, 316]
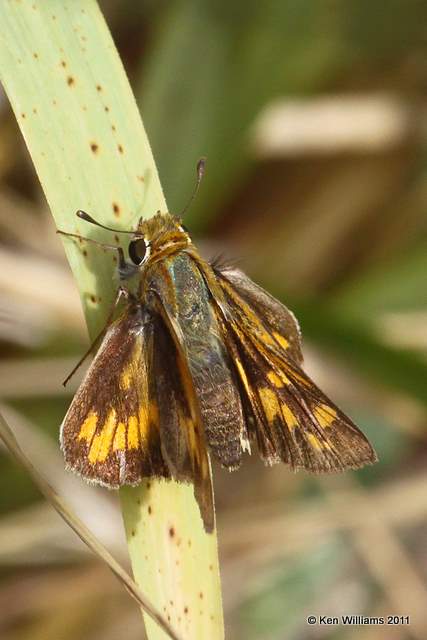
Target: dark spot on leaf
[98, 87]
[63, 63]
[70, 81]
[93, 299]
[120, 148]
[106, 109]
[150, 510]
[169, 618]
[140, 178]
[185, 610]
[85, 253]
[171, 532]
[113, 127]
[116, 238]
[133, 533]
[94, 147]
[116, 209]
[189, 543]
[148, 485]
[210, 567]
[23, 115]
[54, 102]
[34, 110]
[201, 595]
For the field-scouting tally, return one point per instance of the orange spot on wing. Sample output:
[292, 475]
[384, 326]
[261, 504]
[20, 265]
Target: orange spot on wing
[274, 379]
[88, 427]
[315, 443]
[278, 379]
[324, 415]
[101, 444]
[133, 436]
[119, 443]
[270, 403]
[290, 419]
[281, 340]
[144, 425]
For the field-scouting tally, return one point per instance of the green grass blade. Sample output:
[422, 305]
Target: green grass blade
[73, 103]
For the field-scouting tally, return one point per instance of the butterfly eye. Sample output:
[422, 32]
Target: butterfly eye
[137, 250]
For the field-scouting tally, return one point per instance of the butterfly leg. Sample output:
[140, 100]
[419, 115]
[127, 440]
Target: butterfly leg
[121, 292]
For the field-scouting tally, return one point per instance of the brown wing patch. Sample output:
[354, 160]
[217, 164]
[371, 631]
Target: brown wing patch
[109, 434]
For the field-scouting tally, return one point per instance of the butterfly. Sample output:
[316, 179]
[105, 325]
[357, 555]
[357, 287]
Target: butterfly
[201, 362]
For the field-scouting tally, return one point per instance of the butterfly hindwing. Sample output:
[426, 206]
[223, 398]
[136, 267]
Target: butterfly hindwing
[293, 421]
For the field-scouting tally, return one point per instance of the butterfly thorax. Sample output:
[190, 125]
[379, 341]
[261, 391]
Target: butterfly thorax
[166, 239]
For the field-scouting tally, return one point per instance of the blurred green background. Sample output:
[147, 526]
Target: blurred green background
[313, 117]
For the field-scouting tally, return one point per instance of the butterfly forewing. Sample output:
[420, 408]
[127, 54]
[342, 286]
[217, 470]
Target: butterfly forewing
[111, 434]
[294, 421]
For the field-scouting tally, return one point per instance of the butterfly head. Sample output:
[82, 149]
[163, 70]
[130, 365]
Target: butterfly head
[158, 237]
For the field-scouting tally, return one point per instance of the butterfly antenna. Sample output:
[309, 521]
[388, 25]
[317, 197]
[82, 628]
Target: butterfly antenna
[85, 216]
[200, 172]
